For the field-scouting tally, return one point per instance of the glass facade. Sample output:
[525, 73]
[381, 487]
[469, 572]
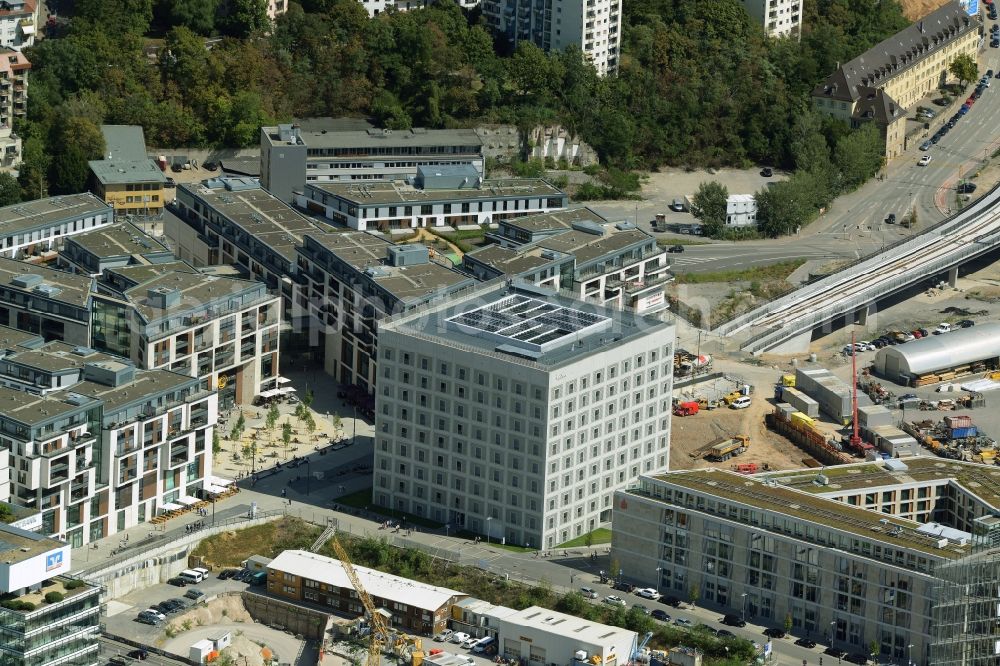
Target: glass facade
[65, 632]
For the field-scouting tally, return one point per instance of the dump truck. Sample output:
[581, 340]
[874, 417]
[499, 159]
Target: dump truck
[732, 397]
[686, 409]
[729, 448]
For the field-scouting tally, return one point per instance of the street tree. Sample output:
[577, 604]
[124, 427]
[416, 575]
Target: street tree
[10, 190]
[709, 206]
[964, 68]
[859, 155]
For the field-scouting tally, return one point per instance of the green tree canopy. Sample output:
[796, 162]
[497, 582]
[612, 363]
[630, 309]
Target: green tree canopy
[964, 68]
[709, 205]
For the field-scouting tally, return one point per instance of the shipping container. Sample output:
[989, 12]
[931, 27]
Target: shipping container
[801, 402]
[961, 433]
[959, 421]
[873, 416]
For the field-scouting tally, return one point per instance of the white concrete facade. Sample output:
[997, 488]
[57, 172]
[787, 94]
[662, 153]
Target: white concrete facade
[779, 18]
[376, 7]
[741, 210]
[542, 636]
[592, 25]
[522, 450]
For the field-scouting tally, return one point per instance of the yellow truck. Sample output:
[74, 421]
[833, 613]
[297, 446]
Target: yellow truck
[729, 448]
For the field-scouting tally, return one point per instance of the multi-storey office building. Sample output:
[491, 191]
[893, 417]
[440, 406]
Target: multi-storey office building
[436, 198]
[127, 178]
[244, 225]
[355, 279]
[223, 331]
[51, 303]
[592, 25]
[517, 413]
[579, 251]
[35, 227]
[836, 551]
[113, 246]
[41, 631]
[345, 150]
[882, 83]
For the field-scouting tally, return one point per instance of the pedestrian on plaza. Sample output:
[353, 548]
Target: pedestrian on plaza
[283, 493]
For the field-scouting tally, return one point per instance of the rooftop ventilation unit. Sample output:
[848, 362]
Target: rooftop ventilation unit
[27, 280]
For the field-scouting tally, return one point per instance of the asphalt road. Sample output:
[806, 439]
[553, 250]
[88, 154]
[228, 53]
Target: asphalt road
[854, 226]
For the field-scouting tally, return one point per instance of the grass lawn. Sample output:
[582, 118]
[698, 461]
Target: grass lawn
[228, 549]
[363, 500]
[493, 542]
[778, 271]
[598, 536]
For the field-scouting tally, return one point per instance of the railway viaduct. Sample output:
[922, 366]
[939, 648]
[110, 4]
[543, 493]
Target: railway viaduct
[787, 324]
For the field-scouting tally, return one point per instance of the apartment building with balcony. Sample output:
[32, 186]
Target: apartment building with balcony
[40, 631]
[238, 222]
[44, 301]
[436, 197]
[349, 150]
[14, 68]
[578, 251]
[376, 7]
[779, 18]
[127, 179]
[517, 413]
[97, 446]
[905, 554]
[354, 280]
[112, 246]
[224, 331]
[881, 84]
[18, 23]
[34, 228]
[594, 26]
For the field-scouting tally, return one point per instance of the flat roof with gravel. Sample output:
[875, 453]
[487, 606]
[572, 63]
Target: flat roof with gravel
[380, 192]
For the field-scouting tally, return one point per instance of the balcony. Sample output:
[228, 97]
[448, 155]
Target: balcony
[634, 287]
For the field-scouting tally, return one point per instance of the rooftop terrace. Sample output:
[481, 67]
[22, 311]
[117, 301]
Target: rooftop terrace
[378, 193]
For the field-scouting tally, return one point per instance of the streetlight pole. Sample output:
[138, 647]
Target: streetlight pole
[909, 654]
[658, 575]
[488, 519]
[832, 625]
[743, 611]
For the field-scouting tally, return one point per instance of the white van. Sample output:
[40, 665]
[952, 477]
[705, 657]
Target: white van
[202, 570]
[741, 403]
[483, 644]
[191, 576]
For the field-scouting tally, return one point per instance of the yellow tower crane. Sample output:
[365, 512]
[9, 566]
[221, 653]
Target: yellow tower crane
[380, 634]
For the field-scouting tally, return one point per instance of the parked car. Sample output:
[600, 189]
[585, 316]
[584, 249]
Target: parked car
[648, 593]
[677, 205]
[459, 637]
[766, 172]
[642, 609]
[624, 587]
[673, 602]
[836, 653]
[741, 403]
[226, 574]
[908, 396]
[170, 183]
[444, 636]
[966, 188]
[890, 218]
[806, 643]
[924, 332]
[925, 160]
[995, 43]
[675, 248]
[926, 145]
[614, 601]
[469, 642]
[177, 581]
[589, 593]
[155, 613]
[148, 619]
[176, 168]
[210, 166]
[916, 333]
[943, 327]
[165, 607]
[772, 632]
[139, 654]
[857, 658]
[660, 614]
[966, 323]
[734, 621]
[683, 622]
[195, 594]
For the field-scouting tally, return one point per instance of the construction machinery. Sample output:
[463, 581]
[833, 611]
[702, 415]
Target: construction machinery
[728, 448]
[381, 634]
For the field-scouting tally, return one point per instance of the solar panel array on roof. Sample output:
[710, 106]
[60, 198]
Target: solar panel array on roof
[526, 320]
